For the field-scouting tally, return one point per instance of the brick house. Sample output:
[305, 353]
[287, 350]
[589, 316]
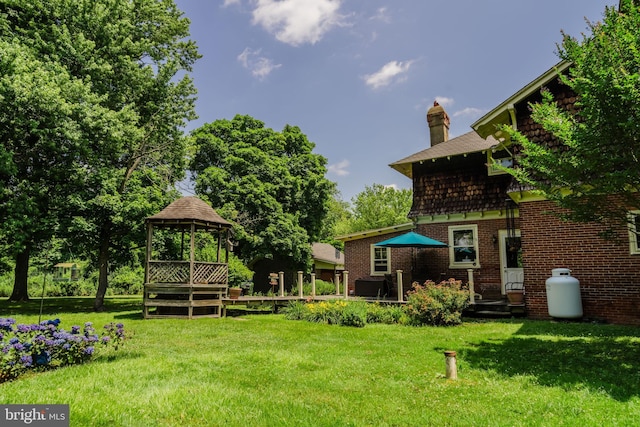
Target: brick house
[457, 199]
[501, 232]
[609, 271]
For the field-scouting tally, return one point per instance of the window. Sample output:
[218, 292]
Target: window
[463, 246]
[380, 264]
[634, 231]
[502, 158]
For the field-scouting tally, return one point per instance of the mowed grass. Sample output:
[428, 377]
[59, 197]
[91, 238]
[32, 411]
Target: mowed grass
[263, 370]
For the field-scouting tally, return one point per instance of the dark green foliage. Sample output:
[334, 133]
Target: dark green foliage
[436, 304]
[269, 184]
[92, 106]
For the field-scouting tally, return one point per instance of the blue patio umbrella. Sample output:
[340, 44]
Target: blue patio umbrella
[411, 240]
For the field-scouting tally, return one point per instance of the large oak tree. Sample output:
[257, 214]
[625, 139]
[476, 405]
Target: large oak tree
[270, 184]
[128, 57]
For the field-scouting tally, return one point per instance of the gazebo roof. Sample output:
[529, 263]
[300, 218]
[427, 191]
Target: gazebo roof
[187, 210]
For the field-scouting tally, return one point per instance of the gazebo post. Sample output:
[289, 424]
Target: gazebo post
[192, 254]
[227, 245]
[192, 261]
[149, 251]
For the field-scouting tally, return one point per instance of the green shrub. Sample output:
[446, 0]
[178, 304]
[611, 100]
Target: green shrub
[436, 304]
[238, 272]
[353, 313]
[340, 312]
[126, 280]
[295, 310]
[386, 314]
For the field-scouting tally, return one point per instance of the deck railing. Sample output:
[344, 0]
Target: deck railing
[178, 272]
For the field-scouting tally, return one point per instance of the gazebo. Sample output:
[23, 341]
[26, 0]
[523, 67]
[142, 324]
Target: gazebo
[177, 286]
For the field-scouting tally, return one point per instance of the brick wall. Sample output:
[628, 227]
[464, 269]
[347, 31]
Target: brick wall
[432, 263]
[609, 276]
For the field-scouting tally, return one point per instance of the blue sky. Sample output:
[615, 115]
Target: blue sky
[357, 76]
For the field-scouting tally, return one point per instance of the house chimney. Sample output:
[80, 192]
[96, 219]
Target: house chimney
[438, 124]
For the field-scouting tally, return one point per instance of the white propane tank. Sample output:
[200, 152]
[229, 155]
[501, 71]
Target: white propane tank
[563, 295]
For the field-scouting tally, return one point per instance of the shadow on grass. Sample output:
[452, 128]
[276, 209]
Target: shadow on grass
[54, 306]
[600, 358]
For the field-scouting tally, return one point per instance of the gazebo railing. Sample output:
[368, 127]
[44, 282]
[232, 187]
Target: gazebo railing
[178, 272]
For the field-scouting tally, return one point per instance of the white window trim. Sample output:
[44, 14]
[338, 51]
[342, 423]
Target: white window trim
[634, 244]
[372, 259]
[460, 265]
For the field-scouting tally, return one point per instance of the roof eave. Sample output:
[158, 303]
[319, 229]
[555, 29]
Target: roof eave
[377, 232]
[405, 169]
[501, 115]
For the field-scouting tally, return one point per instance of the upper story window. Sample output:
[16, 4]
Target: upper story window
[502, 157]
[634, 231]
[463, 246]
[380, 260]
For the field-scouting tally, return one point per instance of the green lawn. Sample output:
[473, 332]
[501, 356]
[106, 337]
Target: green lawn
[263, 370]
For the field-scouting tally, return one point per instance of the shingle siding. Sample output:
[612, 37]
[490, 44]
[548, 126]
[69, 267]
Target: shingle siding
[457, 185]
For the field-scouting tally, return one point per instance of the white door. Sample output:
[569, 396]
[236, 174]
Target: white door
[510, 258]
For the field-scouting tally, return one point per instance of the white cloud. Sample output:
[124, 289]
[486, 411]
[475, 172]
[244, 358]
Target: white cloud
[296, 22]
[444, 101]
[391, 72]
[469, 112]
[230, 2]
[381, 15]
[339, 168]
[260, 66]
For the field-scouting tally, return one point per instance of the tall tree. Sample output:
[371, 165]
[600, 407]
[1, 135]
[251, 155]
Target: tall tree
[598, 148]
[130, 55]
[378, 206]
[270, 184]
[43, 111]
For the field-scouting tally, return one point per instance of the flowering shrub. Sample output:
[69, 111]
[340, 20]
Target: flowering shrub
[341, 312]
[43, 346]
[337, 312]
[436, 304]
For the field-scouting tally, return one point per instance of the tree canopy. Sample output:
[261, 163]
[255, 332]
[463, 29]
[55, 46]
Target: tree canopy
[379, 206]
[594, 171]
[269, 184]
[92, 105]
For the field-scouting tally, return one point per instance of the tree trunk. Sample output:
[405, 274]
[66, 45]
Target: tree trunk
[103, 268]
[21, 275]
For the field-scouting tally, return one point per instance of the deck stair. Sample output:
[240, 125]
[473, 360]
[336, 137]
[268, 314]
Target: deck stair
[494, 308]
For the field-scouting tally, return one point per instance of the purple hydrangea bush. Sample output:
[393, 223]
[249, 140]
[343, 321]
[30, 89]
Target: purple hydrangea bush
[43, 346]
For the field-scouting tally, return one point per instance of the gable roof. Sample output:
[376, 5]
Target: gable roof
[190, 209]
[505, 112]
[376, 232]
[327, 253]
[470, 142]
